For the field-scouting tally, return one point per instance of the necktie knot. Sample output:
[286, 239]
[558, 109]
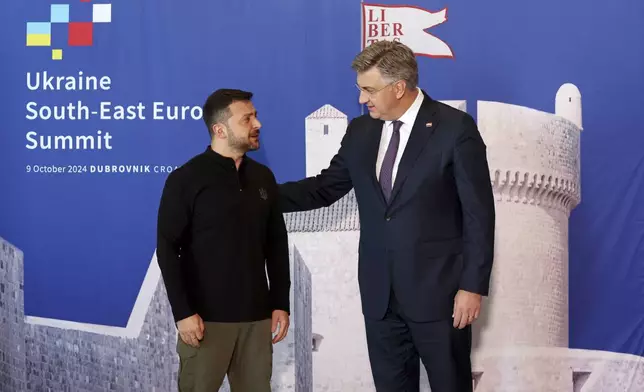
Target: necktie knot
[397, 125]
[386, 171]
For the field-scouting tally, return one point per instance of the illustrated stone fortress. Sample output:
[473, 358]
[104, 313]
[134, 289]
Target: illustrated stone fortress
[521, 340]
[44, 358]
[13, 360]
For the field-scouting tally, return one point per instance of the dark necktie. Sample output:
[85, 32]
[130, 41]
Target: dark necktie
[387, 169]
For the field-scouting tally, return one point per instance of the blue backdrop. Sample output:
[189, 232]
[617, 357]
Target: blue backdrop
[88, 237]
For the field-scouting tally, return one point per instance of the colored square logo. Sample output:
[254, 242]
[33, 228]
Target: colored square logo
[59, 13]
[38, 40]
[38, 28]
[38, 34]
[59, 31]
[80, 33]
[102, 13]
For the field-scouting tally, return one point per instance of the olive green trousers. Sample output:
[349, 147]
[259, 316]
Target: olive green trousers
[243, 351]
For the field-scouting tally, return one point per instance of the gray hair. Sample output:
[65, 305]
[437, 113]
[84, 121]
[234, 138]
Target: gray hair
[394, 60]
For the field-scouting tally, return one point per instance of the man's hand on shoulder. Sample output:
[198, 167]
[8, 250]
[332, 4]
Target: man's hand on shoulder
[279, 325]
[467, 307]
[191, 330]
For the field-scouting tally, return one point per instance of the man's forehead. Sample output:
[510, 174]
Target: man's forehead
[242, 108]
[371, 78]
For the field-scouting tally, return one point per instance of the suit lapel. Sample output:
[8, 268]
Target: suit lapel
[426, 122]
[374, 134]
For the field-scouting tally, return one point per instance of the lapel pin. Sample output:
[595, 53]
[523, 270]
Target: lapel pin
[428, 125]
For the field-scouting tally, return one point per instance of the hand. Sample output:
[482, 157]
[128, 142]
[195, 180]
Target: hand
[280, 325]
[466, 308]
[191, 330]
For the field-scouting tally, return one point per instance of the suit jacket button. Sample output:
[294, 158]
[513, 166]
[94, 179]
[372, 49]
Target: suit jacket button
[388, 218]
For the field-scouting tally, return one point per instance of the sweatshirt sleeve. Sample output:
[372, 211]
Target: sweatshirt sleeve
[277, 257]
[172, 224]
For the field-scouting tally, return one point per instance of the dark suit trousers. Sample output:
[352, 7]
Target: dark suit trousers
[396, 344]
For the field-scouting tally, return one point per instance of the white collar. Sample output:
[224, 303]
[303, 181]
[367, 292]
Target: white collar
[409, 117]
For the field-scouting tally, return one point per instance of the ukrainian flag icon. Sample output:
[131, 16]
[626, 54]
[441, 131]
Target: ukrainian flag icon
[38, 34]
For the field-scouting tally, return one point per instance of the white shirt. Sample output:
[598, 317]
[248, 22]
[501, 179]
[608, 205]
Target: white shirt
[408, 119]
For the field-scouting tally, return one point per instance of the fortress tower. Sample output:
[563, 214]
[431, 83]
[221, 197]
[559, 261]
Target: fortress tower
[535, 171]
[325, 129]
[568, 104]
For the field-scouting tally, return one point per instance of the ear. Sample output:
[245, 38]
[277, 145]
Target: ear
[218, 131]
[400, 88]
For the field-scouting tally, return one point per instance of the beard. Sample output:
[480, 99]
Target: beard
[242, 144]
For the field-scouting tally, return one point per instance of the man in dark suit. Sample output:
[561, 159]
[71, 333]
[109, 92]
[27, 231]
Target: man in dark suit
[421, 179]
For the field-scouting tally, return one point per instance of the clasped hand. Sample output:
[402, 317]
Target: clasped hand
[191, 330]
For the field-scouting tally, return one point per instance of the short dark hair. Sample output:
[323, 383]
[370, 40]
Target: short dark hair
[216, 109]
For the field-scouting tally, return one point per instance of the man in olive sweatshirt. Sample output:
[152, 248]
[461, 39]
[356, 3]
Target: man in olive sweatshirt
[220, 232]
